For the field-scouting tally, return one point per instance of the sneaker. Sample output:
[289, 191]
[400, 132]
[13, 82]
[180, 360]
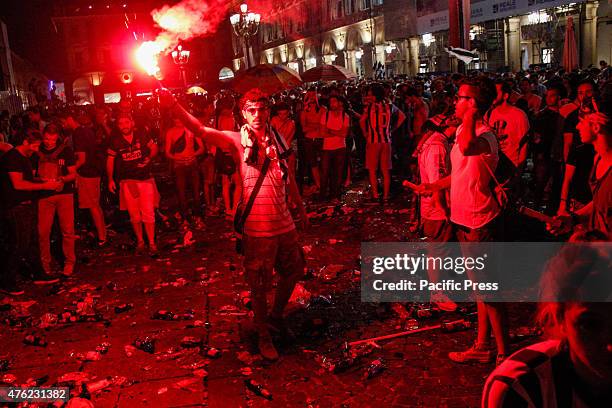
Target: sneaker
[102, 243]
[266, 347]
[153, 251]
[12, 289]
[472, 354]
[45, 279]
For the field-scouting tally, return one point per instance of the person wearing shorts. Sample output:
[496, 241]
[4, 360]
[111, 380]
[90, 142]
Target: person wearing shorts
[376, 126]
[134, 152]
[90, 162]
[310, 120]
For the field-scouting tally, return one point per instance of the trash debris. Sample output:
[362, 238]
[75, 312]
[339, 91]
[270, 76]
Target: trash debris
[103, 348]
[524, 332]
[425, 313]
[191, 342]
[35, 340]
[162, 390]
[245, 299]
[124, 307]
[455, 326]
[187, 384]
[188, 239]
[111, 285]
[400, 311]
[48, 320]
[195, 365]
[300, 298]
[96, 386]
[200, 373]
[375, 368]
[8, 379]
[212, 352]
[168, 315]
[258, 389]
[89, 356]
[79, 402]
[173, 354]
[129, 350]
[72, 378]
[146, 344]
[247, 358]
[411, 324]
[330, 272]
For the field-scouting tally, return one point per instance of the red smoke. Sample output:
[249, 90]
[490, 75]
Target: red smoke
[180, 22]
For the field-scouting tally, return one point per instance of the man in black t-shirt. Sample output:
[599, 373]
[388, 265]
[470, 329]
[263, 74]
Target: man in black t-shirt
[578, 156]
[548, 149]
[56, 162]
[17, 188]
[90, 153]
[132, 151]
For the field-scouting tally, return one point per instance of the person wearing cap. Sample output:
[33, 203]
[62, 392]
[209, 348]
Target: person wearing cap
[270, 240]
[595, 128]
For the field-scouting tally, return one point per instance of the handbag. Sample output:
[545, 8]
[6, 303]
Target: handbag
[243, 212]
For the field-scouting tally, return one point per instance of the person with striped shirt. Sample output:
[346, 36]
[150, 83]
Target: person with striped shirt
[379, 120]
[574, 367]
[270, 240]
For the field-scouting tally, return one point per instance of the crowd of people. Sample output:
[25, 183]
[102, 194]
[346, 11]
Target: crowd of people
[472, 147]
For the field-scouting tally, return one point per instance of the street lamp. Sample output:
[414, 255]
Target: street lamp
[180, 56]
[245, 25]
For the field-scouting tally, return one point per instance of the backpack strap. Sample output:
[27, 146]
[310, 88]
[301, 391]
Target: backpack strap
[241, 219]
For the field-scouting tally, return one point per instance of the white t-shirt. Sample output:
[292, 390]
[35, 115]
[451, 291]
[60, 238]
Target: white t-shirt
[434, 164]
[510, 126]
[471, 198]
[334, 121]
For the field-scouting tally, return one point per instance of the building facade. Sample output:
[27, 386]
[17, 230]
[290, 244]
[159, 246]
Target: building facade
[21, 84]
[100, 39]
[407, 37]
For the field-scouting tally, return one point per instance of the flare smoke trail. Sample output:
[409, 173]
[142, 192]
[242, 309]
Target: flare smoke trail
[183, 21]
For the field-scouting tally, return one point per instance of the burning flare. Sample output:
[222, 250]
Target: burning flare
[181, 22]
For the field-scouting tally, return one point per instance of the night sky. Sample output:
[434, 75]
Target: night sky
[31, 34]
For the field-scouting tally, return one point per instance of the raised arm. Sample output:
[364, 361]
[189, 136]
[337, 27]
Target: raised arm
[207, 134]
[469, 143]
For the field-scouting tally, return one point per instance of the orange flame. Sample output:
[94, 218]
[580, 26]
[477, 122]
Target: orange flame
[146, 56]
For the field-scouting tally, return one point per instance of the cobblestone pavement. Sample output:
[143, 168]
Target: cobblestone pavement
[206, 277]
